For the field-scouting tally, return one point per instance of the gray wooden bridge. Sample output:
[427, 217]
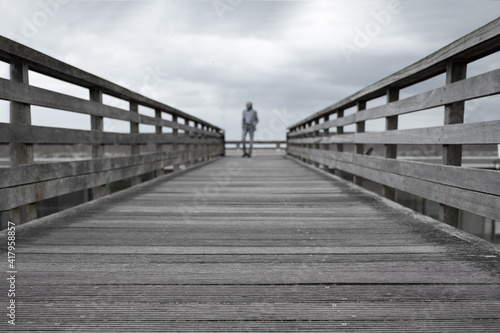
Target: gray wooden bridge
[278, 242]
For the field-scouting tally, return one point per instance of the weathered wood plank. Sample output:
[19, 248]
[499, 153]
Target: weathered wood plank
[475, 202]
[51, 135]
[476, 133]
[27, 174]
[476, 87]
[46, 98]
[484, 181]
[47, 65]
[18, 195]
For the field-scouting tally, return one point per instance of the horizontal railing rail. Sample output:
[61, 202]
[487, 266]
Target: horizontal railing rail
[26, 182]
[320, 140]
[259, 144]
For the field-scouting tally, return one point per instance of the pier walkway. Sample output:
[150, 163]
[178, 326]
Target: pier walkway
[262, 244]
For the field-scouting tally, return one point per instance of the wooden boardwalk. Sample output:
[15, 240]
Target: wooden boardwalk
[261, 244]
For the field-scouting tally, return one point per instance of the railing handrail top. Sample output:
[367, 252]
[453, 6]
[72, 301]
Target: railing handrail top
[11, 50]
[469, 48]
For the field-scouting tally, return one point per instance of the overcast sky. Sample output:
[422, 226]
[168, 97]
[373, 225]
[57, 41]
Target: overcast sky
[208, 58]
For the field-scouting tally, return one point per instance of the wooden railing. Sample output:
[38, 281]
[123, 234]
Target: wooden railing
[261, 144]
[321, 141]
[25, 182]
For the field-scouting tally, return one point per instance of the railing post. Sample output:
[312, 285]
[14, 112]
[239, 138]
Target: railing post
[340, 146]
[311, 146]
[134, 148]
[159, 146]
[326, 147]
[98, 150]
[196, 146]
[187, 147]
[452, 154]
[175, 146]
[21, 153]
[391, 151]
[316, 146]
[223, 139]
[288, 144]
[360, 128]
[205, 147]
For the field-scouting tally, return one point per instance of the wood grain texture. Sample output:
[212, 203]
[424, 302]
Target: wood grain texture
[484, 181]
[41, 97]
[44, 64]
[475, 87]
[476, 202]
[476, 133]
[51, 135]
[259, 244]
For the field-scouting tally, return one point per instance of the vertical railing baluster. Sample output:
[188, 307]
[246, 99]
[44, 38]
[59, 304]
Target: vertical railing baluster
[340, 146]
[134, 147]
[391, 151]
[359, 148]
[175, 146]
[452, 154]
[159, 146]
[326, 147]
[98, 149]
[21, 153]
[187, 147]
[316, 135]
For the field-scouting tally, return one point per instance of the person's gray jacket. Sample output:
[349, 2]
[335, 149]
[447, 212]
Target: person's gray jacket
[250, 118]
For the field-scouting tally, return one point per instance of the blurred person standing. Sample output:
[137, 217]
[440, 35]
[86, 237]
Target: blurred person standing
[249, 123]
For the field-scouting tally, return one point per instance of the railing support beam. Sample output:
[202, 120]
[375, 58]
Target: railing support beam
[391, 151]
[359, 148]
[452, 154]
[21, 153]
[340, 147]
[98, 150]
[135, 149]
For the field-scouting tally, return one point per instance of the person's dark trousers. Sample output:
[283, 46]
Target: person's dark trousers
[247, 129]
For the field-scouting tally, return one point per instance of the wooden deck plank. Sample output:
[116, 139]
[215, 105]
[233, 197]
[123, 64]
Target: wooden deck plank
[252, 245]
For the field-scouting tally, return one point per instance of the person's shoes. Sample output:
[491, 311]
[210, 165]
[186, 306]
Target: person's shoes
[244, 155]
[249, 156]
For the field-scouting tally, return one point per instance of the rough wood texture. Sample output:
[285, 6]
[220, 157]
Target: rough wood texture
[52, 67]
[41, 97]
[259, 244]
[475, 87]
[402, 176]
[51, 135]
[449, 192]
[21, 153]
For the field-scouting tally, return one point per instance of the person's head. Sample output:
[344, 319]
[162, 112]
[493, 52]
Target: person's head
[249, 105]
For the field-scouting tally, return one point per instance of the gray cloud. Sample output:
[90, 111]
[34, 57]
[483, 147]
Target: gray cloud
[281, 55]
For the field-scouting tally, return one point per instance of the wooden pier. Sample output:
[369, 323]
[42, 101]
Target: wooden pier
[203, 241]
[262, 244]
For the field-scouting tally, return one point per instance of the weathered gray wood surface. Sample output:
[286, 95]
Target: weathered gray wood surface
[421, 183]
[475, 87]
[273, 246]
